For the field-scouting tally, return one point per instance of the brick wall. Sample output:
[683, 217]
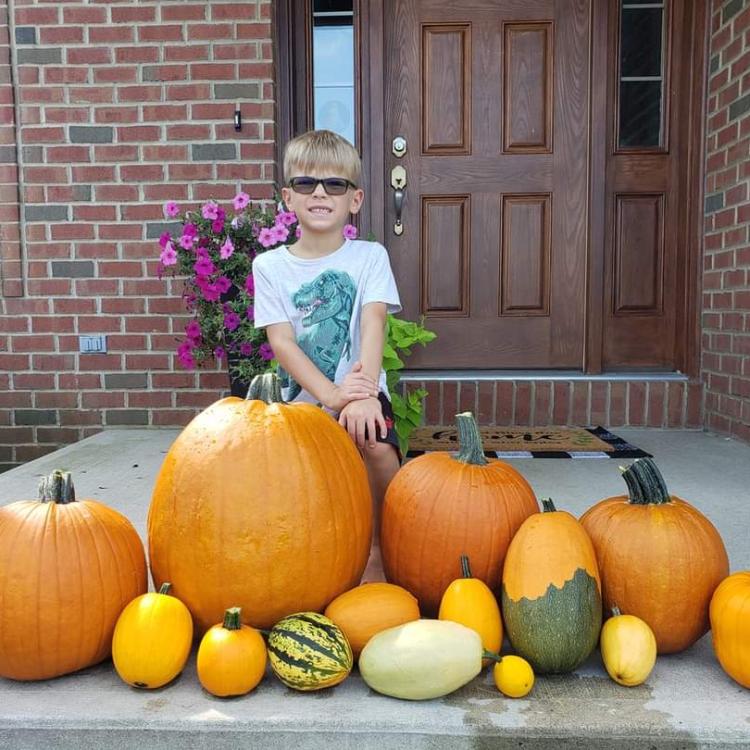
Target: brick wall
[726, 279]
[122, 105]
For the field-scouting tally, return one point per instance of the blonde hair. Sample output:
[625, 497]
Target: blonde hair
[321, 149]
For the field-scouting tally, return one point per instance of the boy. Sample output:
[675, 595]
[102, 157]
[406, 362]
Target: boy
[324, 301]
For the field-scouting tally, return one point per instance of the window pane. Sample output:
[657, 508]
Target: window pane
[640, 113]
[640, 42]
[333, 66]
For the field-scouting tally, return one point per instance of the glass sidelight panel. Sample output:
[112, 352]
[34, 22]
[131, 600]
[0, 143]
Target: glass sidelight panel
[641, 71]
[333, 66]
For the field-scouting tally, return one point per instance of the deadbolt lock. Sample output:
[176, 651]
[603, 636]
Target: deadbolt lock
[399, 146]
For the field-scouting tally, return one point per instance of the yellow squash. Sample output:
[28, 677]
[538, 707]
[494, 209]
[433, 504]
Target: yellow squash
[628, 648]
[232, 657]
[513, 676]
[470, 602]
[152, 639]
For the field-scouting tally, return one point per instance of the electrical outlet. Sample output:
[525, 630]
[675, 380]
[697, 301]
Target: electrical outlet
[92, 344]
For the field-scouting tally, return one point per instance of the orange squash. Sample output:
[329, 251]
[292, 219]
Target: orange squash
[262, 505]
[659, 557]
[470, 602]
[67, 570]
[231, 657]
[730, 626]
[367, 609]
[439, 507]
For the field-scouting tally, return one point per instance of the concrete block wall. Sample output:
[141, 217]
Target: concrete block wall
[121, 105]
[726, 279]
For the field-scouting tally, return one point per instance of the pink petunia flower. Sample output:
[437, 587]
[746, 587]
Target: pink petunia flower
[210, 210]
[246, 348]
[193, 330]
[166, 237]
[280, 233]
[226, 250]
[286, 218]
[223, 284]
[240, 201]
[187, 241]
[250, 284]
[265, 351]
[220, 352]
[171, 209]
[190, 230]
[298, 232]
[204, 266]
[266, 237]
[350, 232]
[168, 255]
[210, 293]
[232, 321]
[250, 312]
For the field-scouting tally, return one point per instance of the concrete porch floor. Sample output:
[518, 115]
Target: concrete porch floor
[687, 702]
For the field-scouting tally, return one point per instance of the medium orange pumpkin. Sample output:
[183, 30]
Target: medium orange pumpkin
[67, 570]
[261, 505]
[439, 507]
[370, 608]
[659, 557]
[730, 626]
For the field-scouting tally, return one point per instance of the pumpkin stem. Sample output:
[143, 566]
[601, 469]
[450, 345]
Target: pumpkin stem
[615, 611]
[164, 588]
[470, 448]
[465, 567]
[265, 387]
[547, 505]
[646, 485]
[232, 619]
[57, 488]
[491, 655]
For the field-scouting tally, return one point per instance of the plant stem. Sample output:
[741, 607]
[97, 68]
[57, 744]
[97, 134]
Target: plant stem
[57, 488]
[491, 655]
[547, 505]
[465, 567]
[232, 619]
[646, 485]
[265, 387]
[471, 450]
[164, 588]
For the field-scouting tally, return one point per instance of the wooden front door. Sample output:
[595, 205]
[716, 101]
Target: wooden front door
[492, 99]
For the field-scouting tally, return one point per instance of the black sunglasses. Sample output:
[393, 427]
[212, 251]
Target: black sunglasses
[332, 185]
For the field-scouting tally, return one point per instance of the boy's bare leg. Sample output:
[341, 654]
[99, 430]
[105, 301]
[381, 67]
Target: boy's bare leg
[382, 464]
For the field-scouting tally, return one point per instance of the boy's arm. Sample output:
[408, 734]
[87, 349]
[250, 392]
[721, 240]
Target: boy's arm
[303, 370]
[372, 336]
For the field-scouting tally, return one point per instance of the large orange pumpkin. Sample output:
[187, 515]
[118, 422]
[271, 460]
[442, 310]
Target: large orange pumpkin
[439, 507]
[659, 557]
[730, 626]
[261, 505]
[67, 570]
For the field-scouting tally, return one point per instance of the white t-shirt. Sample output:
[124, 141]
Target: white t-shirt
[323, 299]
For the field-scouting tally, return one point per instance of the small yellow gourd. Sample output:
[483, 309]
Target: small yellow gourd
[470, 602]
[231, 657]
[513, 676]
[628, 648]
[152, 639]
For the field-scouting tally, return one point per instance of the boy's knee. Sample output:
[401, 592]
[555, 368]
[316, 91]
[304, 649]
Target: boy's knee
[379, 451]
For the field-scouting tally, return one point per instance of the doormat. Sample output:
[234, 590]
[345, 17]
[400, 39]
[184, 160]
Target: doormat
[529, 442]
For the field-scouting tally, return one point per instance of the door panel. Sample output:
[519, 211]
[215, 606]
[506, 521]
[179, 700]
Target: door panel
[492, 99]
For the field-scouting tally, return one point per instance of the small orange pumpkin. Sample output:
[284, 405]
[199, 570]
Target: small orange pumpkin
[365, 610]
[439, 507]
[730, 626]
[67, 570]
[659, 557]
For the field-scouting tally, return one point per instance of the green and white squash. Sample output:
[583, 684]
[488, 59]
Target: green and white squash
[307, 651]
[422, 659]
[551, 594]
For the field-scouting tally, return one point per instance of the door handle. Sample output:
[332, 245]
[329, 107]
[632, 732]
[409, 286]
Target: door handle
[398, 183]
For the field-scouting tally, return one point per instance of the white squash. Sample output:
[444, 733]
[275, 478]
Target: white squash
[421, 659]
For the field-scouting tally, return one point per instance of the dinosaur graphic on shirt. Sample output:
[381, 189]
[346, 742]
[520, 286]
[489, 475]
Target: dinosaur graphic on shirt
[327, 302]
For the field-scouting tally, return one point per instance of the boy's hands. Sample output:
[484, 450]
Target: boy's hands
[356, 386]
[363, 414]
